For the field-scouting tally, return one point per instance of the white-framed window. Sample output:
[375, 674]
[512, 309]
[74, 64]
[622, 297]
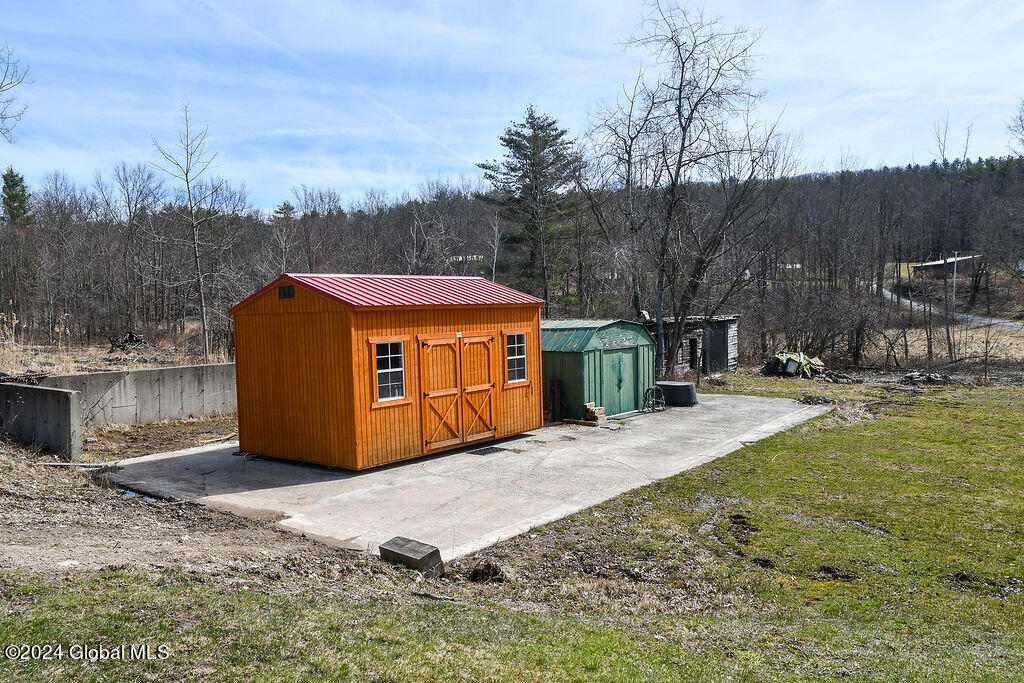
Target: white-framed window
[515, 356]
[390, 370]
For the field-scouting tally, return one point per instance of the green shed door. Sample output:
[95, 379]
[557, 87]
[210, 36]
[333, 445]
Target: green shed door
[619, 381]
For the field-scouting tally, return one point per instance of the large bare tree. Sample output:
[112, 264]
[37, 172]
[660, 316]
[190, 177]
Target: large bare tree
[1016, 128]
[12, 75]
[128, 203]
[695, 172]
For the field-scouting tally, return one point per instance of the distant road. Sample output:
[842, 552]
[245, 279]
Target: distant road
[969, 318]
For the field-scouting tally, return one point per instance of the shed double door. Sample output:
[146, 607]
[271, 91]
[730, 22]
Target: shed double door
[457, 379]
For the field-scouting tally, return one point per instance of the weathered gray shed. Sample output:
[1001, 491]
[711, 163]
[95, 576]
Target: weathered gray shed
[712, 344]
[608, 362]
[721, 344]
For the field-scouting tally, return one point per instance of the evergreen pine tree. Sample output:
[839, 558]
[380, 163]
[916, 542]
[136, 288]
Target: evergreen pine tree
[530, 183]
[15, 198]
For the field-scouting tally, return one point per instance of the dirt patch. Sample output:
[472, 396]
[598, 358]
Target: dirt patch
[741, 528]
[118, 442]
[712, 502]
[491, 572]
[967, 579]
[831, 573]
[584, 567]
[1005, 372]
[852, 412]
[59, 520]
[867, 526]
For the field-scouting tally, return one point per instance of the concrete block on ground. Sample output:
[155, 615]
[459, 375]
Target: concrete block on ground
[594, 414]
[419, 556]
[42, 416]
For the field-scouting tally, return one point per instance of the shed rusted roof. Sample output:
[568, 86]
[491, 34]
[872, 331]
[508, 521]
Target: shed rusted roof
[367, 291]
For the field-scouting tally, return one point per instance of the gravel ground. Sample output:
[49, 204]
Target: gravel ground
[60, 520]
[119, 442]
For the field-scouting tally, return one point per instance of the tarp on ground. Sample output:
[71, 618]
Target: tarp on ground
[777, 364]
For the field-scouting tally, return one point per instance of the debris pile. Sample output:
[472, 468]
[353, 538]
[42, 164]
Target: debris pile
[917, 377]
[790, 364]
[127, 343]
[798, 364]
[836, 377]
[813, 400]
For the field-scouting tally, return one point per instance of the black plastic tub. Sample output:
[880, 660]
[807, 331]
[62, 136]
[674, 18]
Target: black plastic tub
[679, 393]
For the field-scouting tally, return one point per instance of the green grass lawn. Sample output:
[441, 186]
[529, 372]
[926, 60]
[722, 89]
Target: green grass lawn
[888, 547]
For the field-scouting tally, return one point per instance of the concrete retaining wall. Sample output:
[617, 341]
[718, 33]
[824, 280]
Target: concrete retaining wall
[145, 396]
[40, 416]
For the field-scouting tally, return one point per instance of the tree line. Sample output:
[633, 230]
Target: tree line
[678, 201]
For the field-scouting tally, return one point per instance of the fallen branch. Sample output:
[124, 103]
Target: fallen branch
[433, 596]
[220, 438]
[583, 423]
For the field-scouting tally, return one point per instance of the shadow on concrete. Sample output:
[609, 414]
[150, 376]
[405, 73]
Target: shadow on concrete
[216, 470]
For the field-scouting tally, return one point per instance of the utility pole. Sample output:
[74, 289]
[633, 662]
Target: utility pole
[953, 308]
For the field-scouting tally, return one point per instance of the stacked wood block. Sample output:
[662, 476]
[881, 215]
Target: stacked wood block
[594, 413]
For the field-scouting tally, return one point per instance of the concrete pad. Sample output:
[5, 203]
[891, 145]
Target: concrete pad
[461, 501]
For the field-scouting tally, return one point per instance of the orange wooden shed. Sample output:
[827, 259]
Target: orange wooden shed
[357, 371]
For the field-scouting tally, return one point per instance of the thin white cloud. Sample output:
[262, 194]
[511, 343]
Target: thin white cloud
[305, 63]
[358, 94]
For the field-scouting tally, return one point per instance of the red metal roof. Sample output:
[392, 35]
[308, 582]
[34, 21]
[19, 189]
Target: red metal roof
[364, 291]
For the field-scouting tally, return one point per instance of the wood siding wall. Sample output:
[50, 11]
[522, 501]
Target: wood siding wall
[734, 346]
[306, 378]
[387, 431]
[292, 364]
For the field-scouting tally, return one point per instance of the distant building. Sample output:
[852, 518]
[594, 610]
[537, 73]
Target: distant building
[712, 345]
[962, 264]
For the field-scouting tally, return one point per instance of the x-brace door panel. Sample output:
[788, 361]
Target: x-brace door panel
[478, 369]
[441, 381]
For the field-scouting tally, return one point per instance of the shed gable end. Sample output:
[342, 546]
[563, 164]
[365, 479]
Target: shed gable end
[285, 296]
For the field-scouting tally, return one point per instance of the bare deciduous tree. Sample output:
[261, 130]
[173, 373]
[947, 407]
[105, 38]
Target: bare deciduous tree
[134, 196]
[952, 180]
[1016, 128]
[696, 172]
[12, 75]
[321, 222]
[188, 162]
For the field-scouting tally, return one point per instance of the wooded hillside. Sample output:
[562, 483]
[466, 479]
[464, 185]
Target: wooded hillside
[678, 200]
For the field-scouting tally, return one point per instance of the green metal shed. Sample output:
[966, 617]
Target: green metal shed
[609, 362]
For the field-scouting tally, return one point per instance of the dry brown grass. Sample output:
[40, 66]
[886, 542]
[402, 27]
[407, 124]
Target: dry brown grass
[17, 359]
[117, 442]
[1004, 345]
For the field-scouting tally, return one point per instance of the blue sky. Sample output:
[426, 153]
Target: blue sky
[360, 95]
